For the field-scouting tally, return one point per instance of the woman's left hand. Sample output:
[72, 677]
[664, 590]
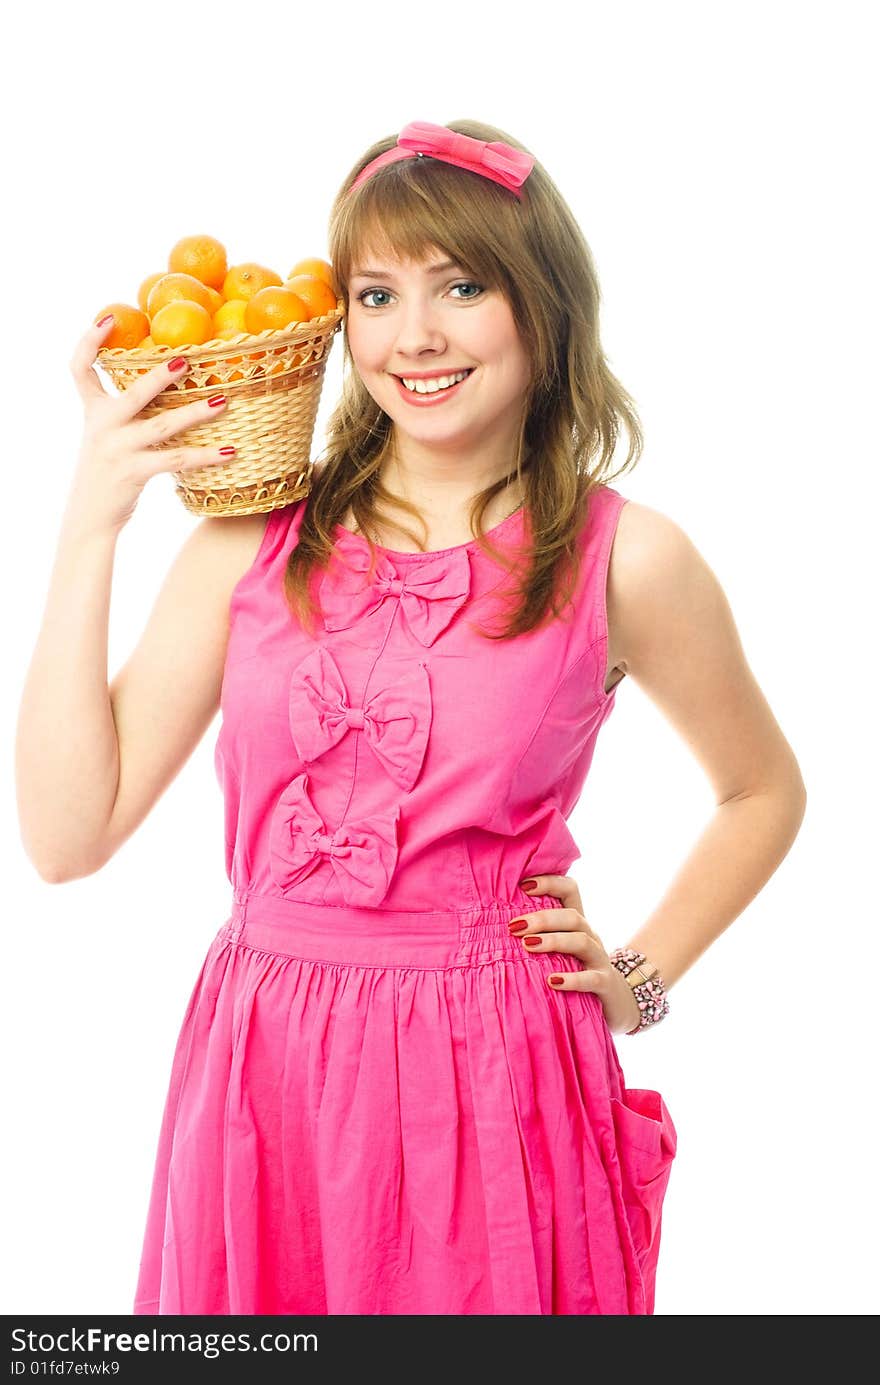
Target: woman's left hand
[567, 930]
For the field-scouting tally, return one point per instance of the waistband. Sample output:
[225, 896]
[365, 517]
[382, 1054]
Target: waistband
[379, 937]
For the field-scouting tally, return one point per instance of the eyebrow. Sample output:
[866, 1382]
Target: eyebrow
[388, 274]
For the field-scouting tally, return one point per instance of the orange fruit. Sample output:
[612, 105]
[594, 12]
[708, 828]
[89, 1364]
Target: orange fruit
[201, 256]
[319, 269]
[315, 293]
[244, 280]
[229, 319]
[144, 290]
[274, 307]
[173, 287]
[147, 344]
[130, 325]
[182, 322]
[217, 300]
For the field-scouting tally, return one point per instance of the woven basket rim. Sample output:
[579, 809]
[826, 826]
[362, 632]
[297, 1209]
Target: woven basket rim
[218, 346]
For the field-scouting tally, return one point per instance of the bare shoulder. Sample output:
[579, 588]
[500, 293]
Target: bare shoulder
[644, 535]
[676, 635]
[651, 557]
[226, 546]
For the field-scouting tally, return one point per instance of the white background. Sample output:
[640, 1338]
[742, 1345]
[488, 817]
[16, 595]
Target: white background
[719, 158]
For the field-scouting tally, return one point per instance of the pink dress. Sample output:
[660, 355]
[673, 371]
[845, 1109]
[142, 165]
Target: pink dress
[377, 1104]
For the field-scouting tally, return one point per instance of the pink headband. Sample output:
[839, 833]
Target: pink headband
[500, 162]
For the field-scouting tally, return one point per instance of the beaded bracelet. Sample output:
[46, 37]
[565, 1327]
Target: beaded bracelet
[649, 991]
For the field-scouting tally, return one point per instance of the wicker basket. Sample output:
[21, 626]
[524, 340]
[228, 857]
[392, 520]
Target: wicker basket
[272, 381]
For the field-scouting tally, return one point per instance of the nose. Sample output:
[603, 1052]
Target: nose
[419, 329]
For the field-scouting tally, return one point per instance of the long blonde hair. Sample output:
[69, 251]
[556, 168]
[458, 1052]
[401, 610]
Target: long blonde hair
[534, 252]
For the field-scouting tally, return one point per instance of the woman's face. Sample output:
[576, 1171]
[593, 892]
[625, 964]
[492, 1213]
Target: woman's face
[408, 319]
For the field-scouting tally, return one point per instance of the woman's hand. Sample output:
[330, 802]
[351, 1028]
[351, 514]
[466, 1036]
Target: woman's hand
[118, 453]
[566, 930]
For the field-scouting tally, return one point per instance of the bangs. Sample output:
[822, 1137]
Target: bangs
[412, 212]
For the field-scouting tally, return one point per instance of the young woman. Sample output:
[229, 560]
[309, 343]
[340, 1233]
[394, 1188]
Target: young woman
[396, 1088]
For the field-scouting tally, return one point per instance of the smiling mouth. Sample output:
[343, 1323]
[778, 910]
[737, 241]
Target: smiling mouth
[434, 388]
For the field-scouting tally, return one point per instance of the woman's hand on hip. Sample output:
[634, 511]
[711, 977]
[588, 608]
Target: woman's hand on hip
[567, 930]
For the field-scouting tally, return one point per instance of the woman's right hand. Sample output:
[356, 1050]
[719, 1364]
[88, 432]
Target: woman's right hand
[118, 452]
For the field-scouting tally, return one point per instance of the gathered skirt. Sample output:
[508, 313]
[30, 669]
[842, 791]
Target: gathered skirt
[379, 1112]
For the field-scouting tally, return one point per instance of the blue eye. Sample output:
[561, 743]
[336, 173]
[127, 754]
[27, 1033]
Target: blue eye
[466, 284]
[365, 294]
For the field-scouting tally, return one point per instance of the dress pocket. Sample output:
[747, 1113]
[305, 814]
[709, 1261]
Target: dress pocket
[646, 1145]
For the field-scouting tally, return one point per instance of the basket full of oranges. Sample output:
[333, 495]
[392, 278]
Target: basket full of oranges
[261, 341]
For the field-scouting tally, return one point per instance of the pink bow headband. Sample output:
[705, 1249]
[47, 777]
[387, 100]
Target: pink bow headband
[500, 162]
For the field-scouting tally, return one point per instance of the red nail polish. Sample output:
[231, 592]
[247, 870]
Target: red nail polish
[531, 942]
[216, 400]
[518, 923]
[555, 980]
[105, 320]
[227, 451]
[178, 363]
[527, 884]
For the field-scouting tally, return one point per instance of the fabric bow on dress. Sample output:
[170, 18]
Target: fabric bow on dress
[430, 593]
[362, 854]
[395, 721]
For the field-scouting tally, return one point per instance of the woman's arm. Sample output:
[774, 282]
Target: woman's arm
[92, 760]
[674, 633]
[66, 748]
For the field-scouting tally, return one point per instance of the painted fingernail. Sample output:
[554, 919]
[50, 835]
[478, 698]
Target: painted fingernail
[227, 451]
[216, 400]
[555, 980]
[527, 884]
[105, 320]
[518, 923]
[531, 942]
[178, 363]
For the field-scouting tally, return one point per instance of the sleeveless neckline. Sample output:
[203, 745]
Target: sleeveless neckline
[398, 554]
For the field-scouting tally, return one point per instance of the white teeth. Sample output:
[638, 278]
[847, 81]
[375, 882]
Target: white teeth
[443, 382]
